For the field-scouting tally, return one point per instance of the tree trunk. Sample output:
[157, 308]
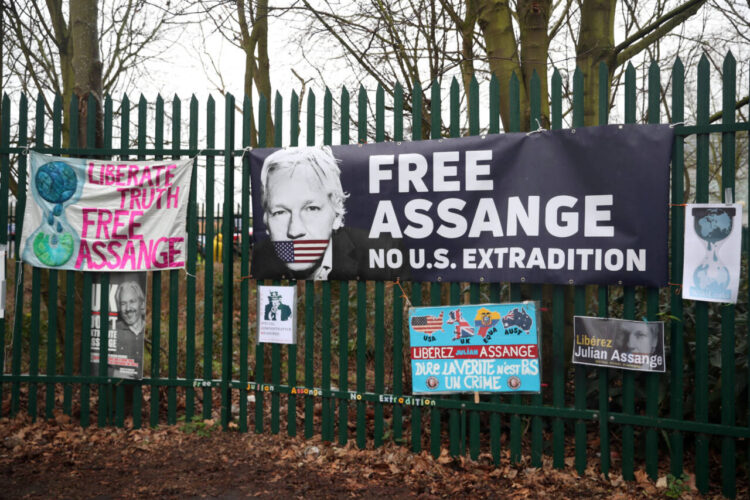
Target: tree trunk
[467, 48]
[86, 66]
[494, 19]
[248, 46]
[533, 18]
[596, 41]
[257, 70]
[263, 74]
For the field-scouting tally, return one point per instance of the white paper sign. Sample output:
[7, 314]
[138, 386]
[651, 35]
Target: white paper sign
[277, 314]
[713, 244]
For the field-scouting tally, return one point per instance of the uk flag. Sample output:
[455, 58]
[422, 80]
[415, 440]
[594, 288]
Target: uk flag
[462, 328]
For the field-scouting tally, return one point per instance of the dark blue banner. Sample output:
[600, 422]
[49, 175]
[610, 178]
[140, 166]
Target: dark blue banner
[583, 206]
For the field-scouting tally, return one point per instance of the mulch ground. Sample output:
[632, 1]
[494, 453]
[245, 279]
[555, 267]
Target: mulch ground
[59, 459]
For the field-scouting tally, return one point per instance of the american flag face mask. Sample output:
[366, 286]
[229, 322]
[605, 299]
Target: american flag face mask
[300, 251]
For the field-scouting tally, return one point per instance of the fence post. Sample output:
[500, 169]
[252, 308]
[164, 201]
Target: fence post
[208, 245]
[728, 447]
[676, 324]
[228, 279]
[701, 308]
[192, 255]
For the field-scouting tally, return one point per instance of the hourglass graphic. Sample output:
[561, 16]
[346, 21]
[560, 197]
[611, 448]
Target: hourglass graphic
[713, 226]
[55, 185]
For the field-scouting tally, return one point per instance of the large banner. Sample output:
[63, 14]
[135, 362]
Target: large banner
[568, 206]
[106, 215]
[126, 325]
[480, 348]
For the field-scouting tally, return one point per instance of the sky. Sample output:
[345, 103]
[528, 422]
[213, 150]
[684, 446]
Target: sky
[186, 69]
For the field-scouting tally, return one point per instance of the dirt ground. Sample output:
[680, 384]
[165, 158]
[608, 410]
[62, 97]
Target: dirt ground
[59, 459]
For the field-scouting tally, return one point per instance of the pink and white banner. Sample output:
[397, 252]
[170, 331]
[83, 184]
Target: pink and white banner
[106, 215]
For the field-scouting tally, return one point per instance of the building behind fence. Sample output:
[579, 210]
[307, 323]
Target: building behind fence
[349, 369]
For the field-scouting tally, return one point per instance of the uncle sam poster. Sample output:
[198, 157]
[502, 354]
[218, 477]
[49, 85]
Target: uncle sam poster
[277, 314]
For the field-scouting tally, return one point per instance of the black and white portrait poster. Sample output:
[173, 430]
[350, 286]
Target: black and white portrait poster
[277, 314]
[713, 247]
[619, 343]
[126, 324]
[566, 206]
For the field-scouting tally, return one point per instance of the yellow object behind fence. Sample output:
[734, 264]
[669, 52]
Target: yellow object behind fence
[218, 247]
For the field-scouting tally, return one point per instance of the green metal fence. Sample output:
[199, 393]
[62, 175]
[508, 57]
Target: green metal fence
[348, 377]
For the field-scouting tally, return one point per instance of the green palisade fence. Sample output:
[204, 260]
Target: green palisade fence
[347, 379]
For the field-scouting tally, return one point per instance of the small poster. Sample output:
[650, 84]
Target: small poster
[619, 343]
[126, 324]
[277, 314]
[478, 348]
[713, 244]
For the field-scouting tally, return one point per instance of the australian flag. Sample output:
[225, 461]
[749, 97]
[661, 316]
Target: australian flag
[517, 317]
[427, 324]
[299, 251]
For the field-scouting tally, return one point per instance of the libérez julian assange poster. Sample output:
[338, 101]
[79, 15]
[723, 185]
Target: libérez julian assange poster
[567, 206]
[619, 343]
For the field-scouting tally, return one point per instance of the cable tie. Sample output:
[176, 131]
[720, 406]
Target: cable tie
[539, 129]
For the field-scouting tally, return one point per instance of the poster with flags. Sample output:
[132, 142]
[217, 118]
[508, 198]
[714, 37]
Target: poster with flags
[477, 348]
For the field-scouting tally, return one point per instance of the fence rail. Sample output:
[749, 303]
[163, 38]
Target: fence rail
[348, 370]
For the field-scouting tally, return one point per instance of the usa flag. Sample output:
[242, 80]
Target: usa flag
[427, 324]
[300, 251]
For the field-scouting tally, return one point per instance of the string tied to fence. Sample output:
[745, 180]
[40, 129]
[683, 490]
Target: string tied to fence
[19, 280]
[196, 155]
[397, 283]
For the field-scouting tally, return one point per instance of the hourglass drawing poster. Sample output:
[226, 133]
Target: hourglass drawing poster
[713, 243]
[106, 215]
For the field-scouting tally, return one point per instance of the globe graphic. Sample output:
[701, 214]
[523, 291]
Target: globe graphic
[56, 182]
[54, 243]
[713, 224]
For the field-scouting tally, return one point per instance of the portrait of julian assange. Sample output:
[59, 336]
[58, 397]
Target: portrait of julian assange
[131, 329]
[127, 310]
[640, 344]
[304, 213]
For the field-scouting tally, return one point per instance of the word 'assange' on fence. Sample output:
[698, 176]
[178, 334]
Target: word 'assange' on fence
[556, 294]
